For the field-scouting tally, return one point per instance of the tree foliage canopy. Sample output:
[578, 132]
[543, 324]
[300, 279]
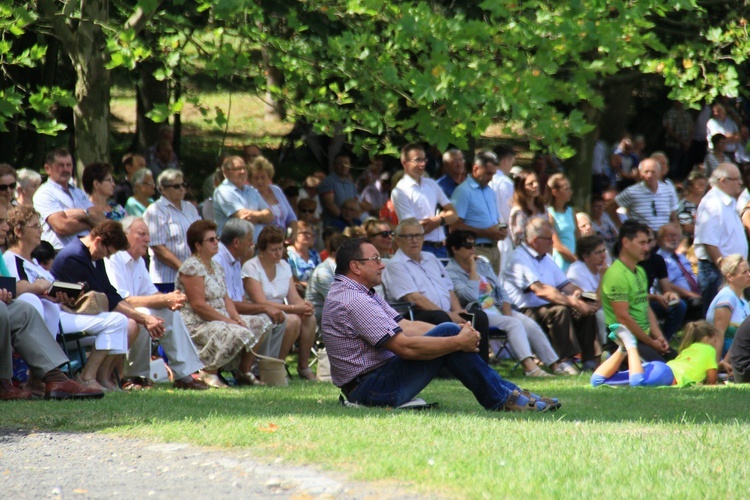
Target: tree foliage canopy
[416, 70]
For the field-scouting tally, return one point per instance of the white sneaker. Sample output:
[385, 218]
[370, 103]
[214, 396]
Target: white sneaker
[566, 368]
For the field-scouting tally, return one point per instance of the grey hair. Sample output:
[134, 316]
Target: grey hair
[235, 228]
[535, 226]
[643, 164]
[450, 153]
[26, 177]
[482, 158]
[169, 176]
[140, 175]
[128, 222]
[721, 171]
[410, 222]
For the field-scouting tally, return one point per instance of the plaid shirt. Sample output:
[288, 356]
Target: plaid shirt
[356, 322]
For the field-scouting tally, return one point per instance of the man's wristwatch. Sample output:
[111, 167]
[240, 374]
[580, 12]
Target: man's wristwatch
[442, 220]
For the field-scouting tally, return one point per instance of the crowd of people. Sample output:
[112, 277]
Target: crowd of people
[470, 253]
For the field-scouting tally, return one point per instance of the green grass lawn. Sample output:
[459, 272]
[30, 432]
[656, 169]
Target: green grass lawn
[604, 442]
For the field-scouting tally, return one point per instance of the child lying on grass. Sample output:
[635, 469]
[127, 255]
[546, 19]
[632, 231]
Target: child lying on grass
[696, 362]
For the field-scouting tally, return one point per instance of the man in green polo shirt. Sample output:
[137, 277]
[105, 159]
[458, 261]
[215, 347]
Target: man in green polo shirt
[624, 293]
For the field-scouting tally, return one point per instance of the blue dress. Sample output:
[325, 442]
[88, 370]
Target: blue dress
[565, 227]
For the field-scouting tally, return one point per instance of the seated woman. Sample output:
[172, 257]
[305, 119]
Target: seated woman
[729, 308]
[381, 236]
[587, 272]
[696, 362]
[109, 330]
[99, 184]
[224, 339]
[302, 258]
[268, 279]
[475, 281]
[143, 190]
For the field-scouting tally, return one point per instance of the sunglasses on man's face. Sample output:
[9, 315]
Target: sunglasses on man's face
[176, 186]
[5, 187]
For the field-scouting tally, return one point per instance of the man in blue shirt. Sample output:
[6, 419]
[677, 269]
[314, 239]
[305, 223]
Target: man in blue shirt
[476, 206]
[454, 168]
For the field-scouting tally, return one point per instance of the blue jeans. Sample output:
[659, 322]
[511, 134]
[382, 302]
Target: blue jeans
[440, 253]
[400, 380]
[673, 317]
[709, 281]
[165, 287]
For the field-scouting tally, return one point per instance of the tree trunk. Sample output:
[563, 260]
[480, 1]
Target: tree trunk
[274, 109]
[86, 48]
[579, 167]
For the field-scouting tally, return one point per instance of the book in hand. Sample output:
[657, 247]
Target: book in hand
[9, 284]
[589, 296]
[72, 290]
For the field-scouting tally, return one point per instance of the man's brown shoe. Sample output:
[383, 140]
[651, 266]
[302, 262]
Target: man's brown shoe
[69, 389]
[9, 392]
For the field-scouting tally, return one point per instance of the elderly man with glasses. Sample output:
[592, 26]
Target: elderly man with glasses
[538, 287]
[235, 198]
[718, 229]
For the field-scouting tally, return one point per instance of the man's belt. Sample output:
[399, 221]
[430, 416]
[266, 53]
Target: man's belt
[433, 244]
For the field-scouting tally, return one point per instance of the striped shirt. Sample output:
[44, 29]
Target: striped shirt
[652, 209]
[168, 226]
[356, 323]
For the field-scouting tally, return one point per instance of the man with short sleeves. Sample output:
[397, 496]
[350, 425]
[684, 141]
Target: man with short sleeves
[127, 272]
[652, 202]
[64, 208]
[336, 188]
[418, 277]
[378, 358]
[502, 185]
[476, 206]
[235, 248]
[624, 295]
[718, 229]
[235, 198]
[537, 286]
[720, 123]
[419, 197]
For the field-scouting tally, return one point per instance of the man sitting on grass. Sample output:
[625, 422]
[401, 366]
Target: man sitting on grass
[378, 358]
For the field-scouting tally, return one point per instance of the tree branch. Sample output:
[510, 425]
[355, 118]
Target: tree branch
[60, 28]
[140, 18]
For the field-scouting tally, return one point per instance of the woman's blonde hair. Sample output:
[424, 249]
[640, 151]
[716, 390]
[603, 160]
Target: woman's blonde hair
[695, 332]
[261, 164]
[728, 265]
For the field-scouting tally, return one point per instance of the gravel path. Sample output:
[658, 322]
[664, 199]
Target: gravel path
[67, 465]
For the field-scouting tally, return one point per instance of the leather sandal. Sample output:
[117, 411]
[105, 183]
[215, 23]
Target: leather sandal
[532, 405]
[248, 378]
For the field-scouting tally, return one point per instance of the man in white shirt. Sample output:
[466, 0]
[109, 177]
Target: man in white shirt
[235, 248]
[502, 185]
[128, 274]
[64, 208]
[720, 123]
[537, 286]
[420, 197]
[718, 229]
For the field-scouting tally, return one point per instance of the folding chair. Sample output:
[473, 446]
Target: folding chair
[76, 364]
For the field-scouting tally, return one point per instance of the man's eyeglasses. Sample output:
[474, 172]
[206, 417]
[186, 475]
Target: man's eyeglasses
[375, 258]
[418, 160]
[183, 185]
[411, 236]
[384, 234]
[5, 187]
